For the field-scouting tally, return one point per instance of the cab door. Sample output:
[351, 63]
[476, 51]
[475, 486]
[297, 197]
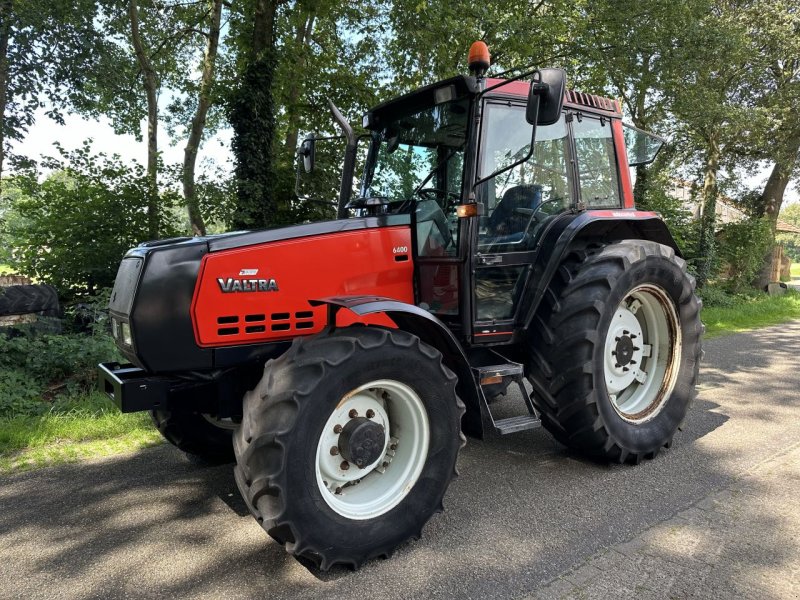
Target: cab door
[519, 203]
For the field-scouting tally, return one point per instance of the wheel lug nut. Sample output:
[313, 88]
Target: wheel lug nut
[338, 490]
[353, 413]
[393, 447]
[344, 466]
[385, 464]
[334, 450]
[370, 413]
[337, 429]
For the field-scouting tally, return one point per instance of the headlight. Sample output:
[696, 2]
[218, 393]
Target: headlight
[127, 338]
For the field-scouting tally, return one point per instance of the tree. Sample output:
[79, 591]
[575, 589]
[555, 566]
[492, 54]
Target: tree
[252, 115]
[151, 50]
[204, 99]
[777, 26]
[712, 109]
[46, 48]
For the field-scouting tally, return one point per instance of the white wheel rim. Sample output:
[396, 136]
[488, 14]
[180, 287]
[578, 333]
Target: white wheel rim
[375, 489]
[641, 353]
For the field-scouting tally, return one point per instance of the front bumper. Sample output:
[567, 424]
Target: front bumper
[132, 389]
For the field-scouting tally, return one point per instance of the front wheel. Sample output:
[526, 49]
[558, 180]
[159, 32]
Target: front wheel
[348, 443]
[615, 350]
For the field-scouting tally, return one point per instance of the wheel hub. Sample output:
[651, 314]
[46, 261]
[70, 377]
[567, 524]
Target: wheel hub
[362, 442]
[624, 350]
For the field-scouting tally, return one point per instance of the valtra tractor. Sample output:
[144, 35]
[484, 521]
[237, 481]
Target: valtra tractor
[493, 240]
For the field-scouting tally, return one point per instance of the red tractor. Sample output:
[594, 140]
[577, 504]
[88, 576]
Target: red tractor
[493, 240]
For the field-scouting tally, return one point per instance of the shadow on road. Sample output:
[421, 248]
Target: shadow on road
[524, 510]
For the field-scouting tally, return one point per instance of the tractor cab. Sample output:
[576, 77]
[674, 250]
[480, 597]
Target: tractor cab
[485, 167]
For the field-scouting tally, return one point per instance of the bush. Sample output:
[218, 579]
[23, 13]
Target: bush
[72, 228]
[715, 296]
[741, 247]
[37, 370]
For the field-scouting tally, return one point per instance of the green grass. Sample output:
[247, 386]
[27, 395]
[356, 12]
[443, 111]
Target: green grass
[89, 427]
[751, 313]
[795, 272]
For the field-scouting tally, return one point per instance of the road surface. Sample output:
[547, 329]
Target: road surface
[716, 516]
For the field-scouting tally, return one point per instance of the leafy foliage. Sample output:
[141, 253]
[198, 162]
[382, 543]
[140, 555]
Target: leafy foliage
[35, 370]
[72, 228]
[252, 118]
[742, 247]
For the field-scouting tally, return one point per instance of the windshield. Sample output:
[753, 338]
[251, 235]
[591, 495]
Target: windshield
[420, 156]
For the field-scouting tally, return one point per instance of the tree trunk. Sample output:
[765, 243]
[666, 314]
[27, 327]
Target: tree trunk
[199, 121]
[263, 27]
[252, 118]
[772, 199]
[707, 246]
[5, 32]
[151, 90]
[302, 39]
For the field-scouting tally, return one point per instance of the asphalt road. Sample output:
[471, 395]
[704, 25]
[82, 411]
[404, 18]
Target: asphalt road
[525, 518]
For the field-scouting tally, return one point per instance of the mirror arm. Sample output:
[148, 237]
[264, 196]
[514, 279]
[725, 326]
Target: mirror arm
[349, 161]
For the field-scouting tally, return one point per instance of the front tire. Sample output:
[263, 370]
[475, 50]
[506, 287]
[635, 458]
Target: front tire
[198, 435]
[615, 350]
[348, 444]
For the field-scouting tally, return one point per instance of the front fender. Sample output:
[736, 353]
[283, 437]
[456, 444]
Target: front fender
[431, 331]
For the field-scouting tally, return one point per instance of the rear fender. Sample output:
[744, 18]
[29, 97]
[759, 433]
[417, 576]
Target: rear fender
[603, 225]
[431, 331]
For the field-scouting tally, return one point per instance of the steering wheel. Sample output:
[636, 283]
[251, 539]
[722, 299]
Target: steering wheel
[432, 192]
[372, 202]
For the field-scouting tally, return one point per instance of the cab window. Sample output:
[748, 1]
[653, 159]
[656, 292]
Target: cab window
[597, 164]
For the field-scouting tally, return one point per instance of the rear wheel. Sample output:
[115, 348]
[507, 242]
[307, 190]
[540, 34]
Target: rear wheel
[199, 435]
[348, 443]
[616, 350]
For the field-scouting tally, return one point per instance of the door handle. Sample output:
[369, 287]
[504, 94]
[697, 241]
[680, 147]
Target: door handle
[491, 259]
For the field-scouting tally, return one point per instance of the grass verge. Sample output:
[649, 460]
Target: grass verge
[795, 271]
[81, 428]
[750, 313]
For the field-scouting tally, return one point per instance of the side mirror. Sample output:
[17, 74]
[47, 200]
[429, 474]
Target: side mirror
[546, 97]
[307, 152]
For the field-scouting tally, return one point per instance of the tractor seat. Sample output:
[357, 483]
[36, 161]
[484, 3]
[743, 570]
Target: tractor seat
[507, 224]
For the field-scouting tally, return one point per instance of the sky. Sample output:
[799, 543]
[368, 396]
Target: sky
[41, 136]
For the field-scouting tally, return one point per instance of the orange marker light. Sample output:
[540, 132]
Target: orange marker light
[479, 59]
[464, 211]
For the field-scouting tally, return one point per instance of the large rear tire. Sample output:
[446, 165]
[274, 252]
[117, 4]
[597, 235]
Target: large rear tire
[348, 444]
[198, 435]
[615, 350]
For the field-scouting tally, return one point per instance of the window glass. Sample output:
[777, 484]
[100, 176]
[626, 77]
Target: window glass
[597, 165]
[519, 200]
[420, 157]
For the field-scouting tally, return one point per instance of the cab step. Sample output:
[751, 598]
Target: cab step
[491, 370]
[515, 424]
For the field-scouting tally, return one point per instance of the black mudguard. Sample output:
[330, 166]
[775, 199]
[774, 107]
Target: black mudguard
[569, 228]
